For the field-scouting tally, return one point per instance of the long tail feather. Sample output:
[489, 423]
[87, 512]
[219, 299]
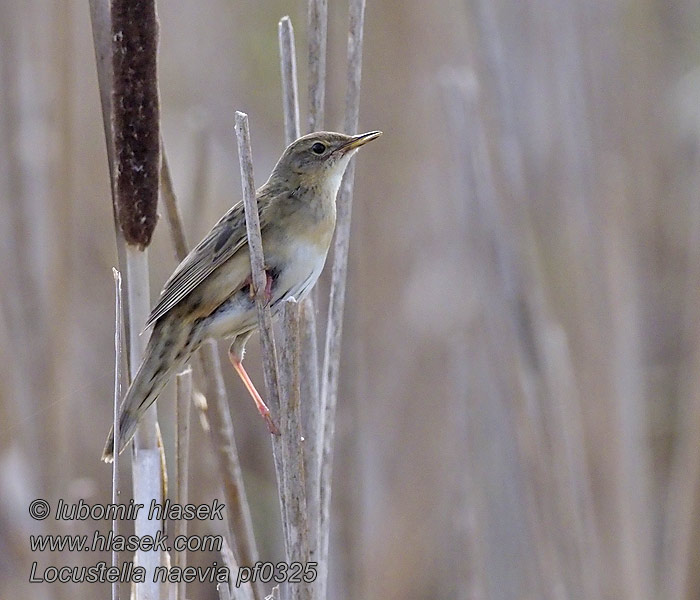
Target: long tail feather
[168, 349]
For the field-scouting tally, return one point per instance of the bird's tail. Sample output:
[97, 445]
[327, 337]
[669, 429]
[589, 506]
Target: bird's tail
[168, 349]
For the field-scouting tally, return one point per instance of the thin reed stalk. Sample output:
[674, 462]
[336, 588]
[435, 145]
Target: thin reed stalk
[334, 328]
[305, 313]
[183, 387]
[115, 415]
[317, 36]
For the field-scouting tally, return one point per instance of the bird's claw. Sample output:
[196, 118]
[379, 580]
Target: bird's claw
[268, 288]
[271, 427]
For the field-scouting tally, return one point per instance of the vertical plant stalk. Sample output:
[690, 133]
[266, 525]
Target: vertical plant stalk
[563, 417]
[485, 230]
[221, 425]
[101, 21]
[224, 591]
[275, 594]
[126, 40]
[183, 383]
[308, 438]
[683, 489]
[334, 329]
[200, 182]
[317, 35]
[172, 209]
[102, 40]
[290, 92]
[115, 416]
[257, 262]
[224, 443]
[297, 542]
[231, 590]
[61, 207]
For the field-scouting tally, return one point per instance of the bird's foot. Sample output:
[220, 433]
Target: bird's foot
[268, 287]
[271, 427]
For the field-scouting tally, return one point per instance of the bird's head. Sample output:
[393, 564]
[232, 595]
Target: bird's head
[320, 158]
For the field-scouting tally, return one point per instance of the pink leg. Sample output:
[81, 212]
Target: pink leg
[262, 407]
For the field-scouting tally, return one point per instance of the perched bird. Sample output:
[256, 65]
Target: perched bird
[209, 294]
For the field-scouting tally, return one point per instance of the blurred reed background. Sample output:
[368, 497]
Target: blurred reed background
[519, 413]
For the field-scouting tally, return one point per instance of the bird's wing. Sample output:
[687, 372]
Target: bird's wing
[226, 238]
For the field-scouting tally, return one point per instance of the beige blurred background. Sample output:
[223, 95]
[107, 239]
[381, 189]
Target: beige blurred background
[519, 414]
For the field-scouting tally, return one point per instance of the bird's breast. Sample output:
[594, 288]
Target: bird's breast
[299, 270]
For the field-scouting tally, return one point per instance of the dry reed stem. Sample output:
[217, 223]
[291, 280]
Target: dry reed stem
[288, 67]
[183, 387]
[224, 444]
[59, 308]
[683, 488]
[257, 261]
[334, 329]
[502, 341]
[200, 179]
[297, 542]
[115, 414]
[317, 35]
[304, 313]
[562, 411]
[259, 277]
[224, 591]
[172, 208]
[102, 41]
[606, 305]
[275, 595]
[244, 591]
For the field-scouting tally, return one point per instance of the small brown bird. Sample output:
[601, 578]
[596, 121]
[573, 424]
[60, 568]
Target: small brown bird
[209, 294]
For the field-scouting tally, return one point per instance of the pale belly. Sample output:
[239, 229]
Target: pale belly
[238, 314]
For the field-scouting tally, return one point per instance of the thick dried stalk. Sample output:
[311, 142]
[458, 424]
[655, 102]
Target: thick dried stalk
[297, 530]
[334, 330]
[146, 463]
[311, 416]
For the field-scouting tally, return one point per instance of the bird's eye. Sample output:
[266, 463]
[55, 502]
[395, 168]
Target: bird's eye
[318, 148]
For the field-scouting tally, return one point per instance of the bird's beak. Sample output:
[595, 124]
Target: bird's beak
[360, 140]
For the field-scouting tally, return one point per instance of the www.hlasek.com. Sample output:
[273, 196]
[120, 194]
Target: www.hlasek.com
[101, 572]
